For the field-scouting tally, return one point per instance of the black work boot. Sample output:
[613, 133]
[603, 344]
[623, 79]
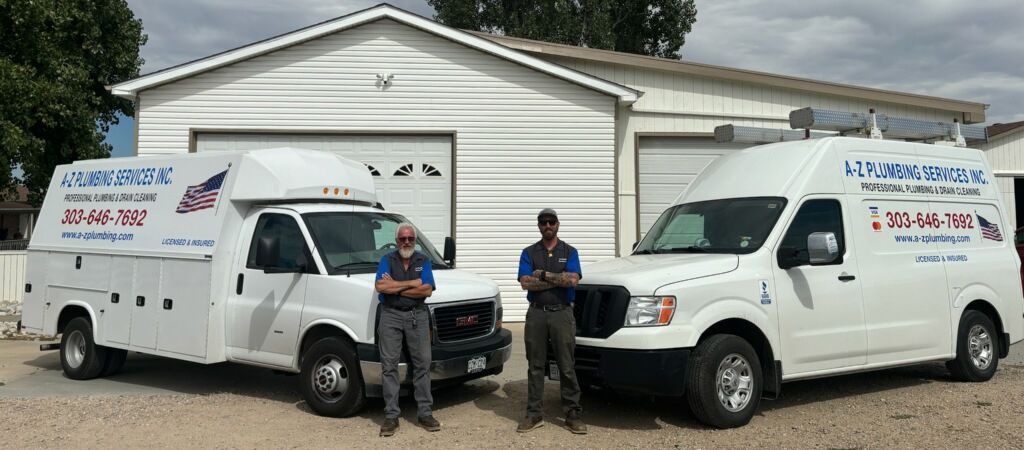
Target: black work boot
[429, 423]
[530, 424]
[388, 427]
[574, 423]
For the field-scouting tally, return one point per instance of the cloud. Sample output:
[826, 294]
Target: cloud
[947, 48]
[964, 50]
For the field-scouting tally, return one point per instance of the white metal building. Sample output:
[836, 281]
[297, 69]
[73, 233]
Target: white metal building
[472, 134]
[1005, 152]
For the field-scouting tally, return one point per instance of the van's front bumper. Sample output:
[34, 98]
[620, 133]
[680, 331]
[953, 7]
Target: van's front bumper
[652, 372]
[450, 362]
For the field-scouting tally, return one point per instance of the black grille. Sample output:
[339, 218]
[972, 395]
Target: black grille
[464, 321]
[600, 310]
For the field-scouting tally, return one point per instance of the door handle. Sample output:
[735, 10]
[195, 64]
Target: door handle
[238, 285]
[847, 277]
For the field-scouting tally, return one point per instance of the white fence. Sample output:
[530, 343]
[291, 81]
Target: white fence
[12, 276]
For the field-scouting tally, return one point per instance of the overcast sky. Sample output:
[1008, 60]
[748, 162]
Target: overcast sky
[970, 51]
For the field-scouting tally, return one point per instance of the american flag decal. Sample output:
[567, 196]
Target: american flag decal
[989, 230]
[203, 195]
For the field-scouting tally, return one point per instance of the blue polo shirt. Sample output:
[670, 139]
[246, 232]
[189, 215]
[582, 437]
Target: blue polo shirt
[426, 274]
[572, 264]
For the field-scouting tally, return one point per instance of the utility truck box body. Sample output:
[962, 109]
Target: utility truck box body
[805, 259]
[163, 255]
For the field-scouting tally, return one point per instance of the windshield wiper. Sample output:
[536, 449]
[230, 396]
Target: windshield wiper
[645, 251]
[690, 249]
[348, 266]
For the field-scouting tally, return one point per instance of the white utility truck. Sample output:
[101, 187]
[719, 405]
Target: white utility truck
[806, 259]
[264, 258]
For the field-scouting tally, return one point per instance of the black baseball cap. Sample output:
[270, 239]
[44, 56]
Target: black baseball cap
[547, 212]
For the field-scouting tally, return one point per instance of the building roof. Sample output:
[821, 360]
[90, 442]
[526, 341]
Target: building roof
[1001, 129]
[17, 202]
[130, 88]
[973, 112]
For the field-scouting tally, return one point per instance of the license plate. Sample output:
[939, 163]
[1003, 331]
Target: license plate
[553, 373]
[476, 364]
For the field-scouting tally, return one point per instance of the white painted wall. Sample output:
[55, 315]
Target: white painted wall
[523, 140]
[12, 276]
[676, 104]
[1006, 153]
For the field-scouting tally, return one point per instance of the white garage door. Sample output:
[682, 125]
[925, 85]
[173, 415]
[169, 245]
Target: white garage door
[666, 167]
[413, 174]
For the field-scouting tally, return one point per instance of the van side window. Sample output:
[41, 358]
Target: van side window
[288, 234]
[814, 216]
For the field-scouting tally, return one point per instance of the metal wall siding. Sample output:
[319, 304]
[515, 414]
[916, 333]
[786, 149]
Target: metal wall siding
[524, 140]
[12, 276]
[1006, 188]
[1006, 153]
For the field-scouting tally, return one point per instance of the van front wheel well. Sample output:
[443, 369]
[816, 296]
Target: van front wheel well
[319, 332]
[987, 309]
[749, 332]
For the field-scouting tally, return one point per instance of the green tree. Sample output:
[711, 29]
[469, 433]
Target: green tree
[56, 59]
[646, 27]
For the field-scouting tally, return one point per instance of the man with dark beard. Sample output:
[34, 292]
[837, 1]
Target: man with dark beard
[404, 281]
[550, 270]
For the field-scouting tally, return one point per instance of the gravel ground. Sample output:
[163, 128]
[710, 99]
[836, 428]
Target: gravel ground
[243, 407]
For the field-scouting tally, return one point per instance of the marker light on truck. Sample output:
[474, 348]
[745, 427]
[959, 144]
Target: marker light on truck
[650, 311]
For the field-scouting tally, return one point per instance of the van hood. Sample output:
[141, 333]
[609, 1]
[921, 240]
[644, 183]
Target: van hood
[454, 285]
[644, 274]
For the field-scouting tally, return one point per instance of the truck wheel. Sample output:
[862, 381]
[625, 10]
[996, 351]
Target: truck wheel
[977, 345]
[115, 361]
[331, 381]
[80, 357]
[723, 381]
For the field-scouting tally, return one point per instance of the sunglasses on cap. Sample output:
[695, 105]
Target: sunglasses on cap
[547, 222]
[406, 239]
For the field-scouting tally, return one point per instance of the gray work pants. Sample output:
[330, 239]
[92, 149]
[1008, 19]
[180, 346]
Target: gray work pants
[414, 326]
[560, 328]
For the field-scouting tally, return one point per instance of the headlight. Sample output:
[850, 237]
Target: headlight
[499, 313]
[650, 311]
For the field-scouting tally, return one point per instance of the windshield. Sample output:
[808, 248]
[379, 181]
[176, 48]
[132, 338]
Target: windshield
[353, 242]
[735, 225]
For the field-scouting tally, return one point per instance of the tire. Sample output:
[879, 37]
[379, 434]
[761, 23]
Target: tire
[80, 357]
[115, 361]
[331, 381]
[977, 362]
[729, 363]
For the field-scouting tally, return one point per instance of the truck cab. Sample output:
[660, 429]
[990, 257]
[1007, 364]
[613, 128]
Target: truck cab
[263, 257]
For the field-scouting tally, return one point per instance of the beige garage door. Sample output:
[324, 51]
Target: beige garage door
[413, 174]
[666, 167]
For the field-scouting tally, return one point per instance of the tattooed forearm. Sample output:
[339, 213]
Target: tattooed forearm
[564, 279]
[533, 284]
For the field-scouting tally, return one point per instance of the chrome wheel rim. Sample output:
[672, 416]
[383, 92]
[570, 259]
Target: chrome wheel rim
[734, 382]
[330, 378]
[74, 349]
[979, 345]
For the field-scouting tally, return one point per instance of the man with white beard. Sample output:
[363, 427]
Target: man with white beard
[404, 281]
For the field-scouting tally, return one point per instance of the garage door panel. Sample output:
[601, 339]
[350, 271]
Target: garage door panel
[666, 166]
[425, 200]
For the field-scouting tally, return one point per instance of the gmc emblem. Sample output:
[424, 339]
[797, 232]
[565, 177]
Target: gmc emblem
[467, 320]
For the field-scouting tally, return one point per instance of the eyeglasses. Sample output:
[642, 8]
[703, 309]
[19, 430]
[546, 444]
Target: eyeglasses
[547, 222]
[406, 239]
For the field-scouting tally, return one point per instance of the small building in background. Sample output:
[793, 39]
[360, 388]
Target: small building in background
[17, 219]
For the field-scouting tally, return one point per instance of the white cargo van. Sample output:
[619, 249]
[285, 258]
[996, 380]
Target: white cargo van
[806, 259]
[264, 258]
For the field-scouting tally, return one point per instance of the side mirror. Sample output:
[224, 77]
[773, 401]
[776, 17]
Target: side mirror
[449, 251]
[822, 248]
[268, 251]
[636, 244]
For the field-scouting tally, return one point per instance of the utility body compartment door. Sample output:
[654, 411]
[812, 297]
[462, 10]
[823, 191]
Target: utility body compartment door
[821, 311]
